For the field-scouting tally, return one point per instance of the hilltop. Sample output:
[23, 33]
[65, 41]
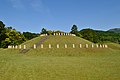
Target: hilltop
[117, 30]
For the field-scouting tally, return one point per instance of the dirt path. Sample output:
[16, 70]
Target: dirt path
[37, 44]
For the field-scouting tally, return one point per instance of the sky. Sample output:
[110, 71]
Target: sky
[33, 15]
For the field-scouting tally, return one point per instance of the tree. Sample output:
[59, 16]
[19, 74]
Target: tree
[2, 32]
[2, 26]
[13, 37]
[9, 36]
[90, 35]
[74, 29]
[43, 31]
[108, 36]
[10, 28]
[29, 35]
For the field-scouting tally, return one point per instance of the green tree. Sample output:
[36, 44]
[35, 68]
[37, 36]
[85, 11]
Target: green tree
[29, 35]
[9, 36]
[2, 32]
[108, 36]
[9, 28]
[90, 35]
[13, 38]
[2, 26]
[74, 29]
[43, 31]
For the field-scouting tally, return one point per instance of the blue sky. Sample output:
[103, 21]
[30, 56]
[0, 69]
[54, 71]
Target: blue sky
[33, 15]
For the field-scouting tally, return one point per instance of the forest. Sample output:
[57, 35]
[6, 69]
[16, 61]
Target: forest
[10, 36]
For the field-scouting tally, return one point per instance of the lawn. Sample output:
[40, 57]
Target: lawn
[61, 64]
[14, 66]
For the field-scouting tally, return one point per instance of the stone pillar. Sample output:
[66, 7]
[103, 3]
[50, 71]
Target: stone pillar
[9, 47]
[65, 45]
[20, 47]
[97, 45]
[16, 47]
[24, 46]
[41, 45]
[68, 34]
[13, 47]
[58, 46]
[59, 34]
[100, 46]
[73, 45]
[49, 45]
[92, 45]
[54, 34]
[103, 46]
[106, 46]
[35, 46]
[65, 34]
[80, 45]
[86, 45]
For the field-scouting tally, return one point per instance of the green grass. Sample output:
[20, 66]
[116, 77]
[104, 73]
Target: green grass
[69, 40]
[31, 42]
[62, 40]
[61, 64]
[22, 67]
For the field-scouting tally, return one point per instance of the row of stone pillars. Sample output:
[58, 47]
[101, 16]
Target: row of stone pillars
[80, 46]
[65, 34]
[60, 34]
[65, 46]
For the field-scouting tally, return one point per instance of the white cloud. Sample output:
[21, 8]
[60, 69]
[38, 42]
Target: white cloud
[32, 5]
[37, 5]
[17, 4]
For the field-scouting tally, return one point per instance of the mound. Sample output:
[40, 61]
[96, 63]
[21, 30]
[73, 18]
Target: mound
[53, 41]
[60, 63]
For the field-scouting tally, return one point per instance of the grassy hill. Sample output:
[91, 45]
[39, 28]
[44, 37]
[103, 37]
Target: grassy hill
[70, 51]
[61, 64]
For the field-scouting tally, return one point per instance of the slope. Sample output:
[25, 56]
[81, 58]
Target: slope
[70, 51]
[61, 64]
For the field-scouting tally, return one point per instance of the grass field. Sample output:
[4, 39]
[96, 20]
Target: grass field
[61, 64]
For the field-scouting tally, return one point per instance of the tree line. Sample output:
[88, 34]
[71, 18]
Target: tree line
[10, 36]
[95, 36]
